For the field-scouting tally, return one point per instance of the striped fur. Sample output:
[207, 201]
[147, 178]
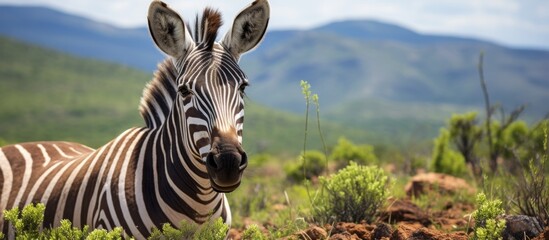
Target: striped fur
[176, 168]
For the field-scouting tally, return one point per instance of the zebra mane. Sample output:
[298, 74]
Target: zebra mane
[159, 94]
[205, 31]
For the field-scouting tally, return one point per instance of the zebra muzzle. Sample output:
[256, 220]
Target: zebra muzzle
[225, 168]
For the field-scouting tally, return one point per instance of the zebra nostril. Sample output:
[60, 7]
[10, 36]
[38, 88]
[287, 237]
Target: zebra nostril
[243, 161]
[210, 161]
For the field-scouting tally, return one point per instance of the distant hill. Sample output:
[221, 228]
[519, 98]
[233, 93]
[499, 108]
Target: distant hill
[47, 95]
[372, 75]
[355, 61]
[80, 36]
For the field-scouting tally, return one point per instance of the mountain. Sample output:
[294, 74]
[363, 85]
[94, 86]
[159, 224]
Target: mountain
[80, 36]
[352, 62]
[371, 75]
[371, 30]
[48, 95]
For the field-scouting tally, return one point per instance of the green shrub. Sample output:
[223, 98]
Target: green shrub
[465, 135]
[212, 229]
[488, 224]
[346, 151]
[523, 147]
[27, 223]
[252, 232]
[67, 231]
[515, 135]
[352, 194]
[531, 195]
[311, 164]
[445, 159]
[539, 138]
[103, 234]
[185, 231]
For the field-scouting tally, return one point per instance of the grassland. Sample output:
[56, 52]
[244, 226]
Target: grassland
[47, 95]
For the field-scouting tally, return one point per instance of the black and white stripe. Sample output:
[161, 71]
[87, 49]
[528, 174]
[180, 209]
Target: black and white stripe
[176, 168]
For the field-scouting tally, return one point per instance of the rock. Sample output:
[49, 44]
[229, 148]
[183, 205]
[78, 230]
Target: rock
[344, 236]
[382, 230]
[441, 183]
[312, 233]
[413, 232]
[361, 231]
[423, 234]
[403, 231]
[432, 234]
[521, 227]
[340, 227]
[404, 211]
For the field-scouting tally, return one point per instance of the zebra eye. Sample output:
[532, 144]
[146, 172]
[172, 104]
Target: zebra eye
[184, 90]
[243, 87]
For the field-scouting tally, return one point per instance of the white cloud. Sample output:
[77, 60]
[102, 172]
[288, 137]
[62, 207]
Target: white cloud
[514, 22]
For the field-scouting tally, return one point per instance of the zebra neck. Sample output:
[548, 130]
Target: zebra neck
[178, 155]
[181, 166]
[178, 189]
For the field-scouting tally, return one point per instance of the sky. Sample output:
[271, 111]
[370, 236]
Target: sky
[515, 23]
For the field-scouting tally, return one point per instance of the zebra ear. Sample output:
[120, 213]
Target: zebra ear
[248, 28]
[168, 30]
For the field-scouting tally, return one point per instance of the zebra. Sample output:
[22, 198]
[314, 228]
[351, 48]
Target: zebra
[180, 165]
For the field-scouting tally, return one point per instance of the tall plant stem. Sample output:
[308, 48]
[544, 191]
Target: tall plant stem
[324, 148]
[493, 163]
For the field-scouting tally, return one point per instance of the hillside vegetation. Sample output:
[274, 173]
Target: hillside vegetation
[47, 95]
[364, 63]
[80, 36]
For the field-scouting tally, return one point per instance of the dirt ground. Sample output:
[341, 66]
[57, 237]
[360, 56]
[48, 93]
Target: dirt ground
[401, 220]
[439, 218]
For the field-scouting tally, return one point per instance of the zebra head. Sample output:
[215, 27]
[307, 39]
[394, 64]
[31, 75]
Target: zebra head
[211, 84]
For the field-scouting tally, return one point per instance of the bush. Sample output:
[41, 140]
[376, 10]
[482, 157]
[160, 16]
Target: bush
[346, 151]
[314, 162]
[488, 224]
[353, 194]
[103, 234]
[465, 135]
[185, 231]
[252, 232]
[531, 195]
[515, 135]
[27, 223]
[445, 159]
[539, 138]
[212, 229]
